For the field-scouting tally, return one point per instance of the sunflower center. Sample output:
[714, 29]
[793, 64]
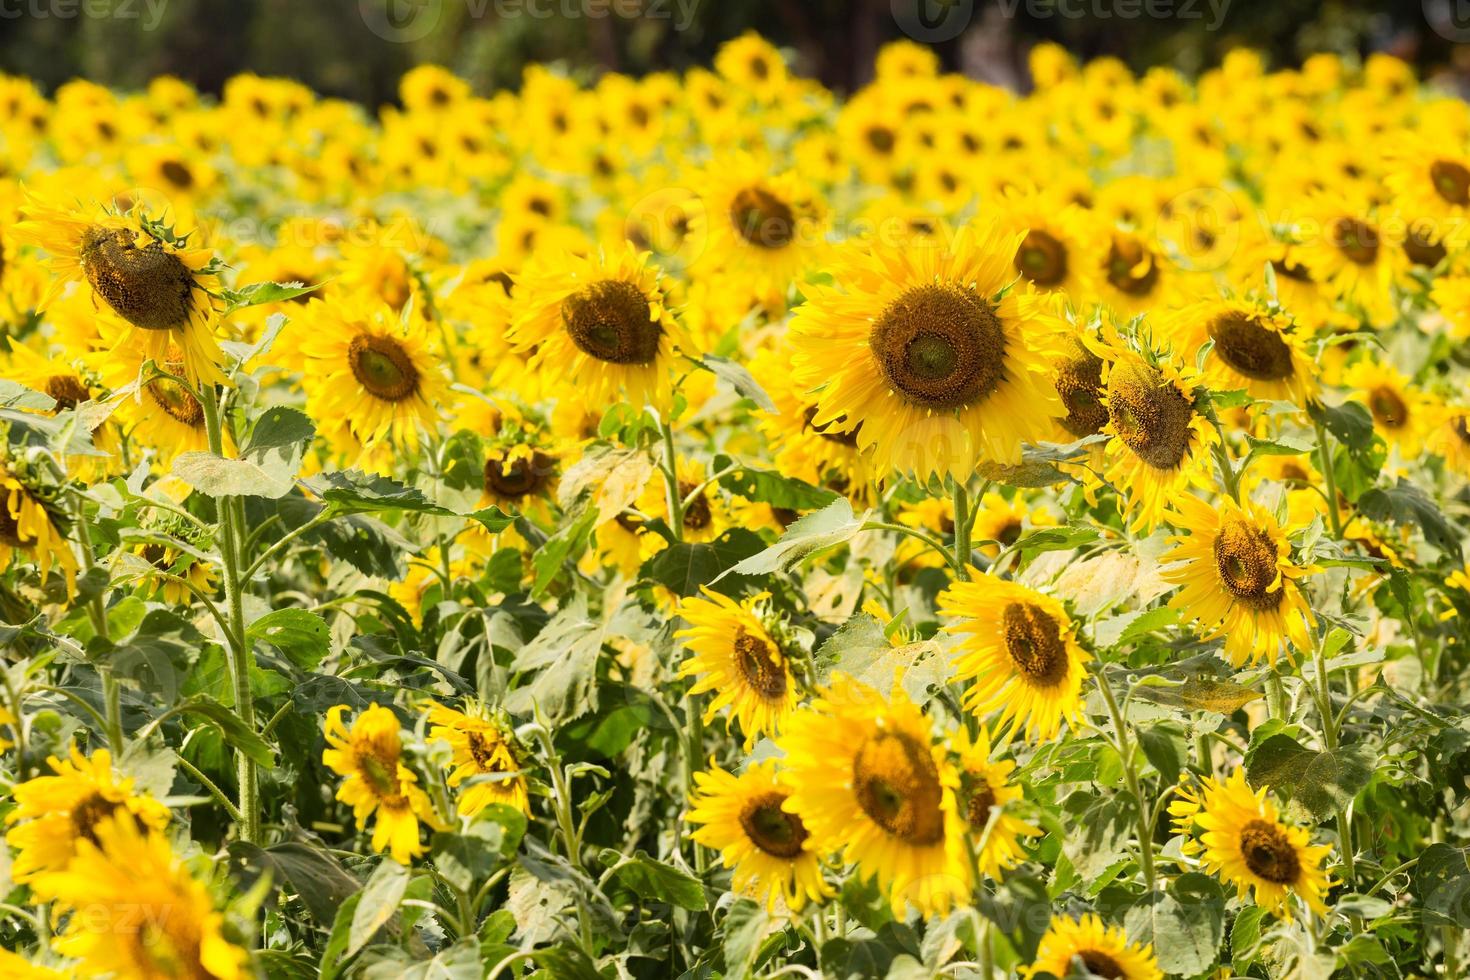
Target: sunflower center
[1451, 181]
[517, 478]
[762, 218]
[897, 785]
[10, 528]
[177, 174]
[1294, 271]
[1421, 248]
[1034, 641]
[1461, 428]
[483, 751]
[1151, 416]
[1042, 258]
[772, 829]
[610, 320]
[379, 769]
[383, 367]
[759, 666]
[1079, 383]
[977, 811]
[1250, 348]
[881, 139]
[177, 403]
[67, 390]
[848, 439]
[697, 513]
[1100, 964]
[1130, 267]
[1388, 408]
[1245, 557]
[941, 346]
[1356, 239]
[87, 814]
[1009, 532]
[1268, 853]
[150, 287]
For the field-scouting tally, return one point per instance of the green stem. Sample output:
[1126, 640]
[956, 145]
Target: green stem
[1324, 455]
[1330, 741]
[284, 542]
[111, 694]
[915, 533]
[1130, 777]
[963, 527]
[214, 790]
[671, 481]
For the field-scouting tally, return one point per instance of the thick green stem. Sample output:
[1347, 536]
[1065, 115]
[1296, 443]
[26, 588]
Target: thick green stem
[111, 694]
[1130, 778]
[1329, 477]
[1330, 742]
[963, 527]
[671, 481]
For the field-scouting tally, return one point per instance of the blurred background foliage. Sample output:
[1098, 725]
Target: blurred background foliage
[357, 48]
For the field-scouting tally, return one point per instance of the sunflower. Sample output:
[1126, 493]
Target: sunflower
[1077, 372]
[736, 655]
[138, 912]
[603, 324]
[750, 64]
[1019, 649]
[1450, 439]
[165, 561]
[1131, 275]
[370, 755]
[999, 523]
[768, 847]
[1428, 177]
[1238, 578]
[1353, 253]
[519, 477]
[867, 778]
[1244, 841]
[151, 279]
[1402, 413]
[369, 371]
[1252, 348]
[161, 414]
[763, 228]
[30, 528]
[54, 814]
[985, 796]
[1087, 947]
[486, 754]
[1052, 256]
[19, 968]
[1159, 441]
[825, 456]
[928, 357]
[705, 514]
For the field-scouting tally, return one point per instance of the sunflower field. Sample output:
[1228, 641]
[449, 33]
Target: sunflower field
[703, 526]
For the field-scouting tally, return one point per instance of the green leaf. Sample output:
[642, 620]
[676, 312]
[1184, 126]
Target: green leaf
[746, 927]
[770, 487]
[1062, 538]
[1406, 504]
[568, 541]
[334, 953]
[811, 535]
[380, 898]
[1320, 782]
[158, 653]
[1279, 447]
[302, 636]
[739, 378]
[655, 881]
[1165, 749]
[1245, 937]
[257, 293]
[1196, 694]
[1349, 423]
[1185, 924]
[234, 731]
[317, 878]
[684, 566]
[1442, 885]
[217, 476]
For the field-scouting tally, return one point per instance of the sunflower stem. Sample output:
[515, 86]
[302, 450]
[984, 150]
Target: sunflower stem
[111, 694]
[1329, 476]
[1330, 742]
[963, 528]
[1130, 778]
[671, 481]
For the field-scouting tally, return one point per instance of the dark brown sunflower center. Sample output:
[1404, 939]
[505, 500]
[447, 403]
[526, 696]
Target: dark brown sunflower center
[759, 665]
[1268, 853]
[1451, 181]
[519, 477]
[383, 367]
[1460, 426]
[67, 390]
[897, 785]
[1356, 239]
[610, 320]
[1042, 258]
[772, 829]
[1009, 532]
[1245, 557]
[697, 513]
[824, 430]
[90, 812]
[10, 527]
[1034, 642]
[176, 402]
[1151, 416]
[1388, 408]
[881, 139]
[1100, 964]
[150, 287]
[177, 174]
[762, 218]
[483, 751]
[977, 810]
[1294, 271]
[940, 346]
[1130, 267]
[1421, 247]
[1079, 383]
[1250, 348]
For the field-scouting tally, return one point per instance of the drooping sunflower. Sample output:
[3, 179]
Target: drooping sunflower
[1402, 413]
[368, 371]
[602, 324]
[1244, 841]
[29, 527]
[370, 756]
[157, 284]
[486, 755]
[928, 357]
[985, 790]
[53, 814]
[138, 912]
[768, 847]
[171, 568]
[1098, 949]
[1159, 441]
[1238, 578]
[162, 415]
[736, 656]
[1252, 348]
[1018, 648]
[868, 779]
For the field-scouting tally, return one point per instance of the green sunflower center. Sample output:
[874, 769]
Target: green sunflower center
[150, 287]
[1245, 557]
[1356, 239]
[1269, 854]
[383, 367]
[1150, 415]
[772, 829]
[897, 785]
[610, 320]
[1451, 181]
[1250, 347]
[1042, 258]
[941, 346]
[762, 219]
[1033, 639]
[760, 667]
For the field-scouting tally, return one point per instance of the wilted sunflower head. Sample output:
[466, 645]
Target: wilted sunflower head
[1078, 381]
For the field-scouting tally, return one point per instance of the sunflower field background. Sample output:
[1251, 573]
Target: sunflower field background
[701, 525]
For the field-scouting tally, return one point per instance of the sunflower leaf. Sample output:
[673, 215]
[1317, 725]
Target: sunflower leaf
[1321, 783]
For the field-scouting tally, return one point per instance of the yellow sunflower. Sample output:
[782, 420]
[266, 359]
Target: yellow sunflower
[162, 415]
[486, 755]
[179, 565]
[1353, 253]
[986, 789]
[602, 324]
[1088, 947]
[1402, 413]
[1244, 841]
[137, 912]
[999, 523]
[736, 656]
[868, 779]
[158, 285]
[768, 847]
[1252, 348]
[370, 756]
[1450, 439]
[29, 529]
[54, 814]
[927, 355]
[1238, 578]
[1018, 647]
